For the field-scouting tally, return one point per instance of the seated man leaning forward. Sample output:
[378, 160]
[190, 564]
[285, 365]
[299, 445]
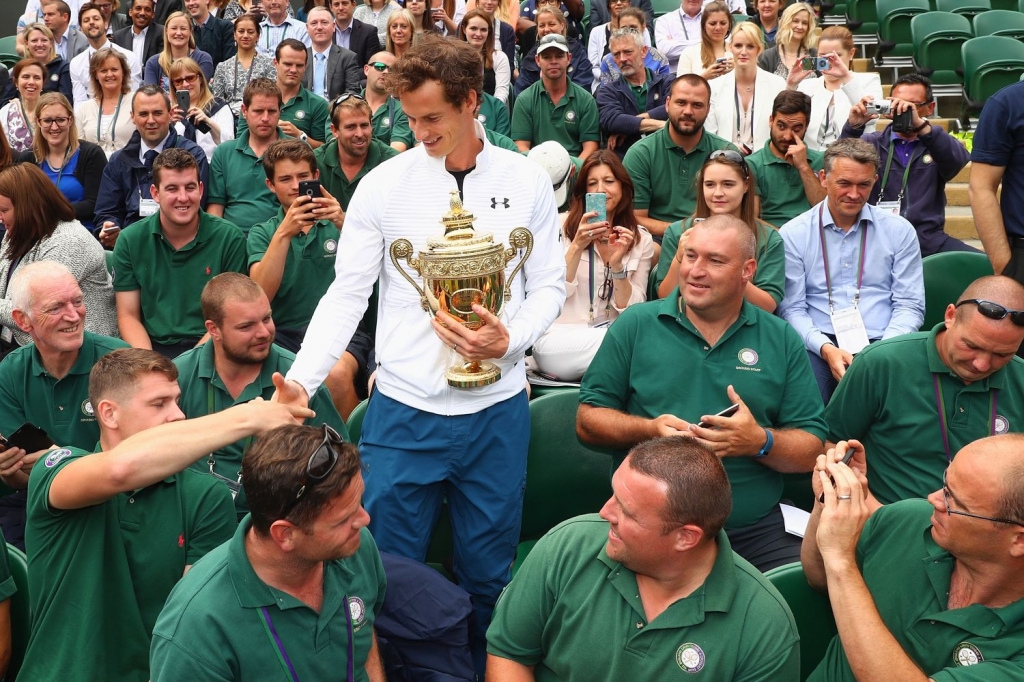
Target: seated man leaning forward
[302, 570]
[666, 367]
[110, 533]
[651, 590]
[922, 591]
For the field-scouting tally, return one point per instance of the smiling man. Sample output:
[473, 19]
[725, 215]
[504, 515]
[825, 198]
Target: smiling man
[143, 37]
[853, 271]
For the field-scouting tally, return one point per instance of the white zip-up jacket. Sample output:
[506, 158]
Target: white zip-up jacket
[405, 197]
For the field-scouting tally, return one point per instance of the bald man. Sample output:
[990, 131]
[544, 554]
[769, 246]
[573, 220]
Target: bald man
[916, 400]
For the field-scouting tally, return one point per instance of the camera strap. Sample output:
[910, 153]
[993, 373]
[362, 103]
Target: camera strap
[906, 174]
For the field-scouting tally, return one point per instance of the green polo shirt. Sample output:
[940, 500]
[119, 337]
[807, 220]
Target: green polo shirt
[502, 141]
[493, 115]
[309, 113]
[570, 122]
[7, 586]
[333, 177]
[239, 183]
[212, 627]
[390, 124]
[101, 574]
[770, 276]
[664, 176]
[887, 401]
[575, 613]
[908, 576]
[203, 392]
[170, 281]
[640, 91]
[779, 186]
[28, 393]
[653, 361]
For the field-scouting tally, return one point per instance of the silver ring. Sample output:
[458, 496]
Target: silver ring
[844, 497]
[590, 233]
[455, 347]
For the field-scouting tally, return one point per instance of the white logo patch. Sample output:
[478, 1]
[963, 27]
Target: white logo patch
[748, 356]
[1000, 425]
[690, 658]
[300, 114]
[87, 409]
[357, 610]
[54, 457]
[330, 246]
[966, 653]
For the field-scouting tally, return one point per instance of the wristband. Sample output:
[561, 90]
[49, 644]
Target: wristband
[767, 447]
[921, 127]
[620, 275]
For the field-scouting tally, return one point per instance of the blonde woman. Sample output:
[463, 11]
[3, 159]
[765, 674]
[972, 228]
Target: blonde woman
[797, 37]
[400, 32]
[208, 121]
[39, 46]
[106, 119]
[710, 57]
[741, 100]
[507, 11]
[178, 44]
[376, 13]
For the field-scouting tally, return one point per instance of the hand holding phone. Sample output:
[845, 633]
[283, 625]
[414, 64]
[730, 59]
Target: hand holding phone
[850, 452]
[727, 412]
[310, 188]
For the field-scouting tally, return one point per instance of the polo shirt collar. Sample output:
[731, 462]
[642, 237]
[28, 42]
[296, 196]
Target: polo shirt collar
[673, 306]
[207, 369]
[996, 381]
[703, 146]
[865, 217]
[770, 157]
[202, 231]
[87, 357]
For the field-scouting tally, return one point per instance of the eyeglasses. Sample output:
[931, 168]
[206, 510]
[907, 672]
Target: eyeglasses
[380, 66]
[994, 311]
[619, 2]
[189, 79]
[732, 157]
[59, 121]
[946, 495]
[344, 97]
[606, 288]
[321, 463]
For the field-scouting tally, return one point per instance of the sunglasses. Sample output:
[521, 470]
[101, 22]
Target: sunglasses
[994, 311]
[321, 463]
[732, 157]
[380, 66]
[946, 495]
[344, 97]
[189, 79]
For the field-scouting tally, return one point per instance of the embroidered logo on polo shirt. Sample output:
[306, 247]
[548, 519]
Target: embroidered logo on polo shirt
[690, 658]
[87, 409]
[55, 77]
[386, 121]
[357, 610]
[481, 118]
[54, 457]
[748, 356]
[570, 116]
[1000, 425]
[330, 246]
[300, 114]
[927, 158]
[966, 653]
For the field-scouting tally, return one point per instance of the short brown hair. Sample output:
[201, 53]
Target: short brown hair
[288, 149]
[174, 159]
[261, 86]
[456, 66]
[352, 102]
[698, 487]
[96, 63]
[789, 102]
[227, 286]
[38, 207]
[26, 63]
[274, 469]
[115, 375]
[694, 81]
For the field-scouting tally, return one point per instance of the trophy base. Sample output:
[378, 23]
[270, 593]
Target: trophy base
[472, 374]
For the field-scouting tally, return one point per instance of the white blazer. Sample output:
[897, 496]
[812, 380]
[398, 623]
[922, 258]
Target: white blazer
[862, 84]
[722, 114]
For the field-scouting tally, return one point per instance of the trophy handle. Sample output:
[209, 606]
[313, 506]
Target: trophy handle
[402, 248]
[520, 238]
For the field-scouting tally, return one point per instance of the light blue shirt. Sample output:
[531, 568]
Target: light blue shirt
[343, 38]
[892, 294]
[271, 35]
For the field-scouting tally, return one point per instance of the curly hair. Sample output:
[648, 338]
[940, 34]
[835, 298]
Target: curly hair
[457, 66]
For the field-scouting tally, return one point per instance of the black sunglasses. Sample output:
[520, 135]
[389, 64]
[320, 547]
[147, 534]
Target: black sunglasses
[321, 463]
[732, 157]
[344, 97]
[994, 311]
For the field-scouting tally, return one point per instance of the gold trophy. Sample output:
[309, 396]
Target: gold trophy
[461, 268]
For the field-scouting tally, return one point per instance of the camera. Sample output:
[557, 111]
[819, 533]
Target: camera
[882, 108]
[821, 64]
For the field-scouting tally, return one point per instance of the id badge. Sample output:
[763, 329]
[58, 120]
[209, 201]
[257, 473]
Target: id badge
[600, 323]
[148, 207]
[848, 327]
[889, 207]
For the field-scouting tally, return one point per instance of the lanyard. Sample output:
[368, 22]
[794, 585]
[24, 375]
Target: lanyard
[736, 95]
[233, 486]
[885, 174]
[682, 22]
[824, 255]
[248, 76]
[607, 274]
[24, 117]
[284, 33]
[63, 165]
[113, 124]
[282, 655]
[940, 405]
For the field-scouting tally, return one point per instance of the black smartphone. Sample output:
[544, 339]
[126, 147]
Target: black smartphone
[727, 412]
[903, 123]
[846, 460]
[183, 100]
[29, 438]
[310, 188]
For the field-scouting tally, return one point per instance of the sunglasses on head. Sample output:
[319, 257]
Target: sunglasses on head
[319, 466]
[344, 97]
[994, 311]
[732, 157]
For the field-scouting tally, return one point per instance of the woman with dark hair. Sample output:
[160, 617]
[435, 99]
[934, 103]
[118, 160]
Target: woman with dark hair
[39, 46]
[607, 264]
[41, 225]
[477, 29]
[106, 119]
[178, 44]
[766, 17]
[727, 187]
[208, 121]
[308, 5]
[234, 74]
[18, 116]
[710, 57]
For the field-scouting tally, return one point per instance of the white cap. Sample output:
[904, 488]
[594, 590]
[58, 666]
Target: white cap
[553, 158]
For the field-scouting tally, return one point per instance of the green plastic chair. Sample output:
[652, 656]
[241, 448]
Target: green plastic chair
[938, 38]
[894, 16]
[1000, 22]
[812, 612]
[969, 8]
[862, 17]
[9, 59]
[946, 275]
[990, 64]
[21, 616]
[9, 44]
[354, 423]
[664, 7]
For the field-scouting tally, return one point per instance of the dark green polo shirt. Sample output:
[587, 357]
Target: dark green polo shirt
[502, 141]
[653, 361]
[307, 111]
[493, 115]
[61, 407]
[887, 401]
[770, 276]
[779, 186]
[575, 613]
[664, 176]
[570, 122]
[101, 574]
[390, 124]
[333, 177]
[203, 392]
[908, 576]
[170, 281]
[239, 183]
[212, 627]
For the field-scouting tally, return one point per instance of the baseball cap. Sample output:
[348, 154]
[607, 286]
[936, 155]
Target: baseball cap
[553, 158]
[553, 40]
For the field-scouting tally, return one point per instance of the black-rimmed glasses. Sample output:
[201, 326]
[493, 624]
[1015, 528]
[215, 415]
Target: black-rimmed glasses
[946, 495]
[994, 311]
[732, 157]
[319, 466]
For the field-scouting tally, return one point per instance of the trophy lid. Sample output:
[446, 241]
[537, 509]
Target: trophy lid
[459, 233]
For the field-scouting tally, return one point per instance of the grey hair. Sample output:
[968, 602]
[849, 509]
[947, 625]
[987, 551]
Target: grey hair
[21, 288]
[854, 149]
[623, 33]
[746, 237]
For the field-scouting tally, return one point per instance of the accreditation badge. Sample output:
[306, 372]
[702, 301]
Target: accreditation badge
[848, 326]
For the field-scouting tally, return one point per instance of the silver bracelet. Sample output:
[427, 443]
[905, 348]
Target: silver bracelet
[620, 275]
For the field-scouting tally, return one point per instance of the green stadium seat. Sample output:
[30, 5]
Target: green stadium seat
[21, 617]
[812, 612]
[937, 39]
[990, 64]
[862, 20]
[946, 275]
[1000, 22]
[969, 8]
[9, 59]
[354, 423]
[1011, 5]
[895, 43]
[8, 44]
[664, 7]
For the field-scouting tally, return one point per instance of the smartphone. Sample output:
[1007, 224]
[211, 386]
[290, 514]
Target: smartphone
[310, 188]
[596, 202]
[807, 63]
[727, 412]
[29, 438]
[183, 100]
[257, 3]
[111, 228]
[722, 60]
[846, 460]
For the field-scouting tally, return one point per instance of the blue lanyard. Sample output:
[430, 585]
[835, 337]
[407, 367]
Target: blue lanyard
[282, 655]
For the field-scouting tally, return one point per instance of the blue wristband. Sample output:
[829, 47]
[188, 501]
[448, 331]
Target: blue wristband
[767, 447]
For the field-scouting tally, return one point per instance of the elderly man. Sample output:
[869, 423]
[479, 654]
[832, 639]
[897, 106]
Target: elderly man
[922, 591]
[915, 400]
[726, 352]
[853, 270]
[650, 586]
